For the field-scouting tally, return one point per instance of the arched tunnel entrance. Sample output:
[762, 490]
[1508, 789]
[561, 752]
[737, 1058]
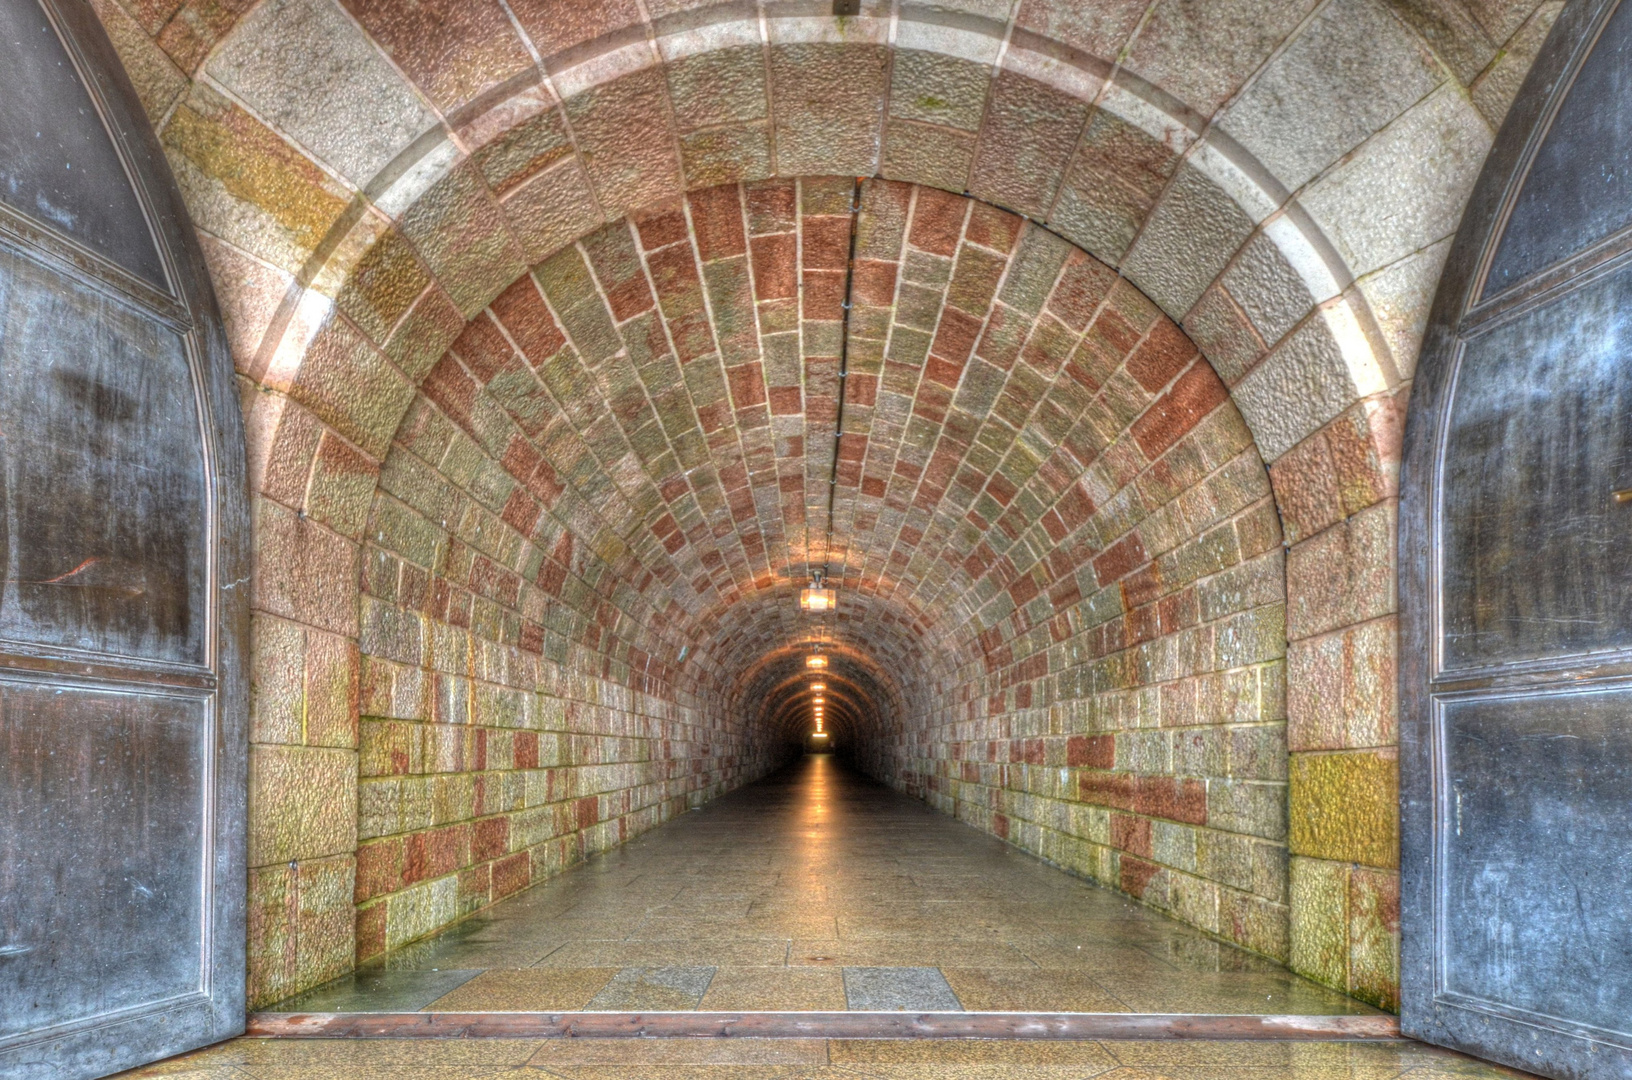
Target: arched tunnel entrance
[1058, 603]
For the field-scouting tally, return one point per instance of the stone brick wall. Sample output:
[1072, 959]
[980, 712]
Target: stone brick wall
[366, 177]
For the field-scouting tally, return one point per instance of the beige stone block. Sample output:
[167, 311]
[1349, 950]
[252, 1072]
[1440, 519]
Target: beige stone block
[302, 803]
[1320, 921]
[1406, 187]
[312, 73]
[1344, 575]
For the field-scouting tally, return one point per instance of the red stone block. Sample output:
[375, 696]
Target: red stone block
[824, 295]
[955, 336]
[1091, 751]
[1142, 586]
[454, 50]
[450, 386]
[747, 382]
[937, 221]
[588, 810]
[1131, 834]
[435, 853]
[993, 228]
[1115, 790]
[1173, 798]
[1197, 393]
[489, 838]
[512, 874]
[716, 218]
[370, 931]
[1118, 559]
[658, 228]
[825, 242]
[775, 269]
[379, 869]
[1082, 288]
[1161, 356]
[773, 206]
[522, 311]
[786, 400]
[861, 389]
[521, 512]
[1179, 611]
[556, 27]
[874, 282]
[1136, 875]
[945, 372]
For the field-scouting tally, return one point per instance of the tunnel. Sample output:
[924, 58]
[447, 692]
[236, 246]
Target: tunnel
[915, 481]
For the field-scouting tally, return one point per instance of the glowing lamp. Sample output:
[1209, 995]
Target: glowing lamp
[818, 686]
[816, 597]
[816, 662]
[816, 600]
[821, 735]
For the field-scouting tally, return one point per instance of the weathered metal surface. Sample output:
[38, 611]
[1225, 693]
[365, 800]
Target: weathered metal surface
[820, 1025]
[1535, 863]
[1538, 438]
[1579, 187]
[57, 165]
[1516, 604]
[122, 555]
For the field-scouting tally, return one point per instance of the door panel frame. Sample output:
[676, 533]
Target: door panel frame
[1427, 1011]
[95, 1046]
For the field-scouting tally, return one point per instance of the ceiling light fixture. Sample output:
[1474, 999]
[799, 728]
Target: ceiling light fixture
[816, 597]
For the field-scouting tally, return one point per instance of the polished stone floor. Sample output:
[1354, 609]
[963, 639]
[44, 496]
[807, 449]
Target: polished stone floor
[819, 889]
[816, 1059]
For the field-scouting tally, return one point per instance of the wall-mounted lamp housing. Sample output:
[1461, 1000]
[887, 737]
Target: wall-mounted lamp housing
[816, 661]
[816, 598]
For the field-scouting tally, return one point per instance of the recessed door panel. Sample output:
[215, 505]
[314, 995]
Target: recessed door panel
[58, 165]
[1535, 865]
[1535, 547]
[102, 475]
[1578, 190]
[102, 861]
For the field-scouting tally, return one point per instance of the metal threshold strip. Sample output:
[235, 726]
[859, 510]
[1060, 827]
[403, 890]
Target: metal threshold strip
[820, 1025]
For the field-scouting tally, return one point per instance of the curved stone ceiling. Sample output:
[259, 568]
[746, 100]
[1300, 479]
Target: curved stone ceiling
[643, 428]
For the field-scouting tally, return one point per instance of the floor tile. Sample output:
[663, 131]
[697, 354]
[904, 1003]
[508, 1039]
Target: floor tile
[529, 990]
[657, 989]
[898, 989]
[1020, 990]
[809, 989]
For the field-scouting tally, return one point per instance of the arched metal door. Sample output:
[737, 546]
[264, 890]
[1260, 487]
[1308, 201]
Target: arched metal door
[1516, 589]
[122, 570]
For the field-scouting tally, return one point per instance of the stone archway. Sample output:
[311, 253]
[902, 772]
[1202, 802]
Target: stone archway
[1156, 140]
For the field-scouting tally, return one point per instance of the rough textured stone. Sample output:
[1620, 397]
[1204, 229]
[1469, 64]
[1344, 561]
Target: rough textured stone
[308, 70]
[1345, 806]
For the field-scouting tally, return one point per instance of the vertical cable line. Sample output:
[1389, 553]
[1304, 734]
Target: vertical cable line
[844, 373]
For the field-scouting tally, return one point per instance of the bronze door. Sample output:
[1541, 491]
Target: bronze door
[1516, 589]
[122, 581]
